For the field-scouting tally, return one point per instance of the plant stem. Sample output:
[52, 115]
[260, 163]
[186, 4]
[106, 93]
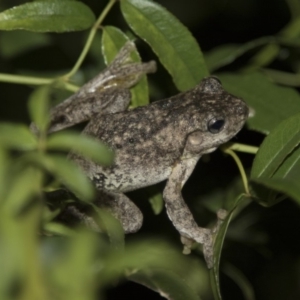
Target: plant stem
[241, 148]
[90, 39]
[24, 79]
[240, 166]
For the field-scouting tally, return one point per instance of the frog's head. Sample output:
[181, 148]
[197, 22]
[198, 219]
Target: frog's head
[219, 116]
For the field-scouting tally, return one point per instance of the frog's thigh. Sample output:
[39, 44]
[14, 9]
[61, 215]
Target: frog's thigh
[123, 209]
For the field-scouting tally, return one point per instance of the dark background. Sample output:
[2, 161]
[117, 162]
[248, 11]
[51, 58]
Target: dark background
[269, 255]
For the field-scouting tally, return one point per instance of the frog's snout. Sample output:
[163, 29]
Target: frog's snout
[240, 108]
[243, 110]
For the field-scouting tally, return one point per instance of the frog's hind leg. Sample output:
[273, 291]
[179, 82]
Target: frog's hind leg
[122, 208]
[77, 212]
[98, 95]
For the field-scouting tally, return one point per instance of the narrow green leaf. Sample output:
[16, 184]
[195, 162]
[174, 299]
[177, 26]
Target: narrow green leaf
[38, 107]
[157, 203]
[4, 169]
[142, 255]
[168, 284]
[17, 136]
[226, 54]
[24, 187]
[276, 147]
[271, 103]
[219, 240]
[67, 172]
[73, 273]
[221, 56]
[289, 175]
[72, 177]
[19, 252]
[290, 168]
[268, 53]
[294, 8]
[174, 45]
[79, 143]
[113, 229]
[113, 39]
[241, 280]
[288, 187]
[58, 229]
[14, 43]
[48, 16]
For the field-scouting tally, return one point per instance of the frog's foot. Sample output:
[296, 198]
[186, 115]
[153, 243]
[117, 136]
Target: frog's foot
[206, 237]
[221, 215]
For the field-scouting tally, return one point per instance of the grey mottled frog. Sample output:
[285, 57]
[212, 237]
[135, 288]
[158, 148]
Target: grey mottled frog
[160, 141]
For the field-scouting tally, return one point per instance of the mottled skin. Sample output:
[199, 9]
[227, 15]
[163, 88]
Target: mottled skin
[163, 140]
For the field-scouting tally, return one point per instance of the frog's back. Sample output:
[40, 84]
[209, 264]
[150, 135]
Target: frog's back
[145, 144]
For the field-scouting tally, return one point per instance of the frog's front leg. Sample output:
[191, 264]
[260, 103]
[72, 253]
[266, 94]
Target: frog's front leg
[177, 209]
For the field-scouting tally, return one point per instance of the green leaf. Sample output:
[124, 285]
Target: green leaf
[113, 229]
[24, 186]
[221, 56]
[19, 252]
[67, 172]
[290, 168]
[277, 170]
[174, 45]
[219, 240]
[14, 43]
[226, 54]
[268, 53]
[71, 176]
[48, 16]
[272, 103]
[38, 107]
[73, 272]
[79, 143]
[168, 284]
[276, 147]
[113, 39]
[157, 203]
[142, 255]
[272, 186]
[4, 169]
[241, 280]
[17, 136]
[58, 229]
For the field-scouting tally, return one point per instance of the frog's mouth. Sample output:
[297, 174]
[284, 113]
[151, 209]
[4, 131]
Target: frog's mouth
[210, 150]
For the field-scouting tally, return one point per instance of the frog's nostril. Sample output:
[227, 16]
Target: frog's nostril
[242, 110]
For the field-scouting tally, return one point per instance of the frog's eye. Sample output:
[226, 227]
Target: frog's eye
[215, 125]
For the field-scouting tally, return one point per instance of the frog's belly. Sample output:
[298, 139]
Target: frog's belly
[130, 179]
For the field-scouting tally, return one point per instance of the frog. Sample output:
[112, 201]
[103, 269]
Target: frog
[161, 141]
